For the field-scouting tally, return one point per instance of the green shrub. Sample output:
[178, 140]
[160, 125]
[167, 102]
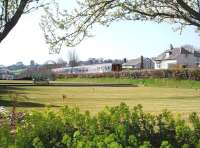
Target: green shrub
[146, 144]
[114, 127]
[6, 138]
[165, 144]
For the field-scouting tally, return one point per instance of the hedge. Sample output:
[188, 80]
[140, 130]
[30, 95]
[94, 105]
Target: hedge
[184, 74]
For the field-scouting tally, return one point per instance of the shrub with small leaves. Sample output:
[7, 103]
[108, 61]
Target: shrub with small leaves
[114, 127]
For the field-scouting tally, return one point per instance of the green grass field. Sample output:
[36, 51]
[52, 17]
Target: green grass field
[170, 83]
[94, 99]
[167, 83]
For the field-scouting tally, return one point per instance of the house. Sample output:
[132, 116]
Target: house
[139, 63]
[17, 66]
[178, 57]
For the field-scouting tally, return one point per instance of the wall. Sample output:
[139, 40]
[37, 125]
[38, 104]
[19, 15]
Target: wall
[127, 67]
[148, 64]
[189, 60]
[165, 64]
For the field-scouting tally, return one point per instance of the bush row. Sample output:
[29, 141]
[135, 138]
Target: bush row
[187, 74]
[114, 127]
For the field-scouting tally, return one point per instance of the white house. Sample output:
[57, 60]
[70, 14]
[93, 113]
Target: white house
[177, 57]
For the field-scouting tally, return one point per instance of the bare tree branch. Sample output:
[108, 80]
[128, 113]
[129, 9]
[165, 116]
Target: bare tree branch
[71, 28]
[189, 9]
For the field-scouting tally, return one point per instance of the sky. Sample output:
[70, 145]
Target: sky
[125, 39]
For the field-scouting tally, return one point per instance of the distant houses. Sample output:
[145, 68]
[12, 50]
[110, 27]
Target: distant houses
[6, 74]
[139, 63]
[183, 57]
[17, 66]
[178, 57]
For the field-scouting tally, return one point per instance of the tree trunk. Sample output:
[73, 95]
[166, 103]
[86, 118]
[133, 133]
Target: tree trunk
[13, 21]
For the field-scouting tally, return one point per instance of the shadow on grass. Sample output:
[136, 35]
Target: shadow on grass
[8, 103]
[10, 89]
[5, 91]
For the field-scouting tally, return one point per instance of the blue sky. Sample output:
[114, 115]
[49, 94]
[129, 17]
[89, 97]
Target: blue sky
[122, 39]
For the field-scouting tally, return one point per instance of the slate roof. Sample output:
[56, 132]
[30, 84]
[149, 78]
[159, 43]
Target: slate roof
[133, 62]
[174, 53]
[196, 53]
[172, 56]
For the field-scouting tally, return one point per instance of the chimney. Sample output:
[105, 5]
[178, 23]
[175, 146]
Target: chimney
[125, 60]
[171, 47]
[142, 63]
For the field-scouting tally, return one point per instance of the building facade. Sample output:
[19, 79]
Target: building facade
[178, 57]
[139, 63]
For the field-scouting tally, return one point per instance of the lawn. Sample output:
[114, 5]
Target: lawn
[94, 99]
[169, 83]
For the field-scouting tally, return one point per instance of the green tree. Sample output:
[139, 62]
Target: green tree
[76, 25]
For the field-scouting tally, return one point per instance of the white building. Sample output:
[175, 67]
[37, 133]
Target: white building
[178, 57]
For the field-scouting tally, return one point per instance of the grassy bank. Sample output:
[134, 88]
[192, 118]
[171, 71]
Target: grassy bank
[170, 83]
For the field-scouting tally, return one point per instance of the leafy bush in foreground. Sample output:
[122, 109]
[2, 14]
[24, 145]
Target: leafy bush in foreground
[114, 127]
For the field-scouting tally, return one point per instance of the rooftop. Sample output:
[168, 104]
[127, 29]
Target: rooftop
[174, 53]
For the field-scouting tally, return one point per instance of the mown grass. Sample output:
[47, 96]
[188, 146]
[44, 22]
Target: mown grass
[170, 83]
[178, 96]
[94, 99]
[15, 81]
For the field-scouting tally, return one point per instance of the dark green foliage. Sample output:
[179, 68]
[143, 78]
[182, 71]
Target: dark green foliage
[5, 136]
[165, 144]
[114, 127]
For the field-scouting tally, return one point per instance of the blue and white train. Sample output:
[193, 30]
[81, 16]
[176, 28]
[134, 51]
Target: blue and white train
[85, 69]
